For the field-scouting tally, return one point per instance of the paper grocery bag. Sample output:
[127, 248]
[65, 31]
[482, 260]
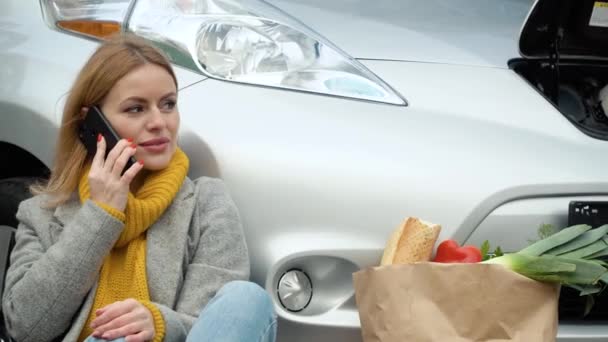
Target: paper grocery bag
[454, 302]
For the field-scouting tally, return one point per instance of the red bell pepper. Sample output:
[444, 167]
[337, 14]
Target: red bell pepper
[449, 251]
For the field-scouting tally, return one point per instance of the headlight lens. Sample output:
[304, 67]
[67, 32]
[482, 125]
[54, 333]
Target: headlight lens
[244, 41]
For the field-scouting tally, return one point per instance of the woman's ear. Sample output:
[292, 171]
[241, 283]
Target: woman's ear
[83, 112]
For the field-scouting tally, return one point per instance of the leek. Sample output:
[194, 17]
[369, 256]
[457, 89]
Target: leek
[583, 240]
[571, 257]
[591, 249]
[550, 268]
[602, 253]
[563, 236]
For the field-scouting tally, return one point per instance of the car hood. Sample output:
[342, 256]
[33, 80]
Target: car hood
[467, 32]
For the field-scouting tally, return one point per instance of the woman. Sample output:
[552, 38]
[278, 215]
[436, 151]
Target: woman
[102, 255]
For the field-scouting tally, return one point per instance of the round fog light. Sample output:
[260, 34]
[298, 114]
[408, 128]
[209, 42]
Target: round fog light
[295, 290]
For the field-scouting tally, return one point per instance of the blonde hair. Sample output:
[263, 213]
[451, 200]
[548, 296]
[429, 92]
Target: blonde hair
[114, 59]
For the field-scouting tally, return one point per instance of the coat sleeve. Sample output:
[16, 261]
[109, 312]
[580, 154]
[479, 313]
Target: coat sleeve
[220, 256]
[46, 284]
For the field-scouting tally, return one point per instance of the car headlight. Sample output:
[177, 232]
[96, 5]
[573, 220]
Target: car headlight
[244, 41]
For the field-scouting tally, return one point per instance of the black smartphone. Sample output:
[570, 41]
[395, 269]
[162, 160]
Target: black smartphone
[95, 123]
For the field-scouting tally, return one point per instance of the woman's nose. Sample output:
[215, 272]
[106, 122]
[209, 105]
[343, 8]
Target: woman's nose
[156, 120]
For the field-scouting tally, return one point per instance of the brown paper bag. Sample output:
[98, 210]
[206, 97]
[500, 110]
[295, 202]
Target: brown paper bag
[454, 302]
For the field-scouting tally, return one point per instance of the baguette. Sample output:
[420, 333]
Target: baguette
[410, 242]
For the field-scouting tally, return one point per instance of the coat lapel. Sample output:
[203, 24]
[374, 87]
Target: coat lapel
[167, 247]
[79, 321]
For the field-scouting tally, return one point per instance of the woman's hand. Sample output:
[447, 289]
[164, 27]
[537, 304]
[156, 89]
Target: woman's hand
[105, 180]
[128, 318]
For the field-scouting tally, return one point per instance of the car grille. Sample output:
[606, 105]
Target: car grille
[572, 307]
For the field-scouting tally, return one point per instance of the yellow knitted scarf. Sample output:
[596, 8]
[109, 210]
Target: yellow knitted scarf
[123, 273]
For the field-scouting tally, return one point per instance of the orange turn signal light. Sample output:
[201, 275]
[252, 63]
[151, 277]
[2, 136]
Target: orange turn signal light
[97, 29]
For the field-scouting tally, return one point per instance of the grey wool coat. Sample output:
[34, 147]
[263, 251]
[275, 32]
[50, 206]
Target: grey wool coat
[193, 249]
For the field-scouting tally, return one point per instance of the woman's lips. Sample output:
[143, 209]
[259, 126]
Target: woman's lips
[155, 145]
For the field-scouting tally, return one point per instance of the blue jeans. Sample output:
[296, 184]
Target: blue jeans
[241, 311]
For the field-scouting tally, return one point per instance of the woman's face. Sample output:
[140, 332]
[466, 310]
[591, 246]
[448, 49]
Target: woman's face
[143, 106]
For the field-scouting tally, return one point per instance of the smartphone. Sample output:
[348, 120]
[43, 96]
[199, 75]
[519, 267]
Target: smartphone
[95, 123]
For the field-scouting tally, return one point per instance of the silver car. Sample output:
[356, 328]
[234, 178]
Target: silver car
[331, 121]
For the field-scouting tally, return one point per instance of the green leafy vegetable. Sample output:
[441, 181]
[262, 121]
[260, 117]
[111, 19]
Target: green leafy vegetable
[574, 257]
[485, 251]
[585, 239]
[563, 236]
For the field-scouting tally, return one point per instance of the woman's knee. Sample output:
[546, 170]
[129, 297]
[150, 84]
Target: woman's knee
[241, 301]
[246, 293]
[240, 311]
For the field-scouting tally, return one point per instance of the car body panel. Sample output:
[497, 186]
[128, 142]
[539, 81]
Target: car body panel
[302, 145]
[469, 32]
[304, 170]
